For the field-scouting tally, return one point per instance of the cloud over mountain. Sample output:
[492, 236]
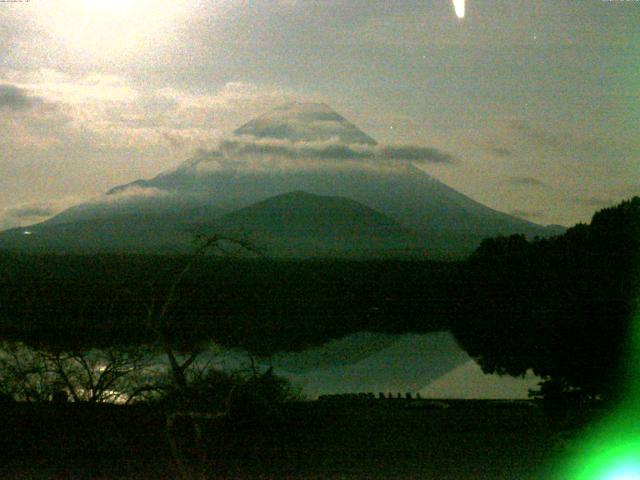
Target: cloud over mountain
[29, 211]
[524, 181]
[33, 212]
[15, 99]
[264, 155]
[93, 109]
[497, 150]
[310, 122]
[298, 136]
[332, 150]
[25, 214]
[528, 214]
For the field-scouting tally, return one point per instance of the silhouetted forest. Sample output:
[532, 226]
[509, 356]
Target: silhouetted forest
[261, 305]
[560, 306]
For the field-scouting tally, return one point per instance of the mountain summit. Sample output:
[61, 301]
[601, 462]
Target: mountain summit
[304, 122]
[242, 182]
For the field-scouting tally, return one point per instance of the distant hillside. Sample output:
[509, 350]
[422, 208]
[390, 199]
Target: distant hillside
[300, 224]
[164, 232]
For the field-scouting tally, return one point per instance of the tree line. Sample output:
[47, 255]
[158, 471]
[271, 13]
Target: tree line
[562, 306]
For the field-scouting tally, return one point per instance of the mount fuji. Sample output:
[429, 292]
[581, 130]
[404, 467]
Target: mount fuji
[302, 181]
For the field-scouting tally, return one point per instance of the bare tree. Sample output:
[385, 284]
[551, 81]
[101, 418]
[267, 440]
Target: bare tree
[158, 311]
[158, 321]
[24, 375]
[113, 375]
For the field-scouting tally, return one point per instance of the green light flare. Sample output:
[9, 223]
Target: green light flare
[609, 458]
[627, 472]
[612, 451]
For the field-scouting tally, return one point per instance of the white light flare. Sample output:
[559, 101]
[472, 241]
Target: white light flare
[110, 30]
[458, 5]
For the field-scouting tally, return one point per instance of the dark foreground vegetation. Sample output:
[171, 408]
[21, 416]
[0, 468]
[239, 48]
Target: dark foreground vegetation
[468, 440]
[87, 329]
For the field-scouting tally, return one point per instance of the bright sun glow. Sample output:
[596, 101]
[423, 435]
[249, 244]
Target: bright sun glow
[109, 6]
[112, 30]
[459, 7]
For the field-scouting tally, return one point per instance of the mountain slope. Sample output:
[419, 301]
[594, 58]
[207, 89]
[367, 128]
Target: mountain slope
[301, 224]
[297, 147]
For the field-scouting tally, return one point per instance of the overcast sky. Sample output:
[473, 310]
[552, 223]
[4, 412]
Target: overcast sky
[539, 101]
